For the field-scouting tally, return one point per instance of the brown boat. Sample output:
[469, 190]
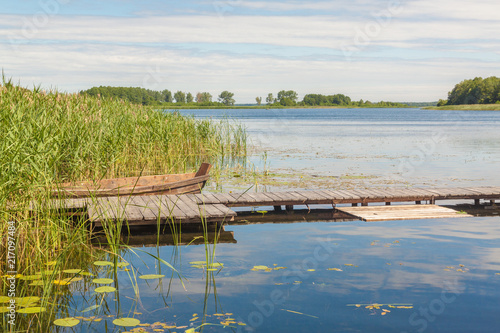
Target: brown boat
[145, 185]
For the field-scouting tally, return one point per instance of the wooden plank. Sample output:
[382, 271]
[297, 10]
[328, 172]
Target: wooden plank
[189, 205]
[349, 194]
[313, 197]
[208, 198]
[111, 208]
[401, 212]
[169, 209]
[147, 208]
[131, 211]
[207, 211]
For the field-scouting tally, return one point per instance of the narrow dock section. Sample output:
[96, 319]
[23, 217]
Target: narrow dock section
[215, 207]
[401, 212]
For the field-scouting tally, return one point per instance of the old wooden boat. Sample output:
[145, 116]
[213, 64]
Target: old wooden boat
[144, 185]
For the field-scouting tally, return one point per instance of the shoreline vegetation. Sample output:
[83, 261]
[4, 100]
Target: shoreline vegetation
[203, 100]
[52, 137]
[466, 107]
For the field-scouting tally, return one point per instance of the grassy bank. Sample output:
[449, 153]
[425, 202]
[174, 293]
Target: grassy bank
[467, 107]
[52, 137]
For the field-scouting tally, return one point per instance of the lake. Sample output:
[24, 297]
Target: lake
[440, 275]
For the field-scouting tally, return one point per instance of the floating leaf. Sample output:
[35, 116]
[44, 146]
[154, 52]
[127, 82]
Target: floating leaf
[212, 269]
[259, 268]
[61, 282]
[198, 263]
[73, 279]
[51, 263]
[67, 322]
[31, 277]
[311, 270]
[86, 274]
[4, 299]
[105, 289]
[103, 281]
[103, 263]
[35, 309]
[4, 309]
[216, 264]
[151, 276]
[122, 264]
[25, 301]
[127, 322]
[72, 271]
[90, 308]
[334, 269]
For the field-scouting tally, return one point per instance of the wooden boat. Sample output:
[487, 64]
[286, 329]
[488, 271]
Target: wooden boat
[144, 185]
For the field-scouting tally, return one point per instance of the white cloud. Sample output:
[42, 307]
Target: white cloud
[396, 58]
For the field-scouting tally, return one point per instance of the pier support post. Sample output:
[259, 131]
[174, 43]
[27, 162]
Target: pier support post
[492, 202]
[388, 203]
[355, 204]
[418, 202]
[364, 204]
[289, 208]
[277, 208]
[477, 202]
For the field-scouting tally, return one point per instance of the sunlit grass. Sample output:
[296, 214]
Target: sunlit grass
[52, 137]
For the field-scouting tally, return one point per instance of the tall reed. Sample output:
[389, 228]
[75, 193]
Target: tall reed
[51, 137]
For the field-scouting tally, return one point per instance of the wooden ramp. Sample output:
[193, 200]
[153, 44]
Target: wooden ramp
[401, 212]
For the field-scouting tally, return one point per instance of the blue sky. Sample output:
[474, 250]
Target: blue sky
[397, 50]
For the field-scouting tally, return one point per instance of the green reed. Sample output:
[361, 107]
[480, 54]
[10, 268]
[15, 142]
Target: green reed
[52, 137]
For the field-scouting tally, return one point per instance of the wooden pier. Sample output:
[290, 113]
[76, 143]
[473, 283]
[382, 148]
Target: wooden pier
[216, 207]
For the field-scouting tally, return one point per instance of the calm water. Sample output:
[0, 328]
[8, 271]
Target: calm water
[410, 146]
[426, 275]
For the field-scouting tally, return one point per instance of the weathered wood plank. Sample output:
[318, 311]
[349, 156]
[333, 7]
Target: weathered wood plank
[130, 210]
[189, 205]
[147, 208]
[401, 212]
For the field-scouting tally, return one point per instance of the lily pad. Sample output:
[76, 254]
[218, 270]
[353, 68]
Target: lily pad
[122, 264]
[198, 263]
[103, 281]
[73, 279]
[105, 289]
[151, 276]
[31, 277]
[260, 268]
[67, 322]
[127, 322]
[72, 271]
[86, 274]
[26, 301]
[35, 309]
[4, 299]
[4, 309]
[103, 263]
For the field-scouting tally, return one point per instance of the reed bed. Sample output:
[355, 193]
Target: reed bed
[52, 137]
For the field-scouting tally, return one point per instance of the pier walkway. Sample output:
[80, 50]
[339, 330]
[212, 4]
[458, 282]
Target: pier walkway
[216, 207]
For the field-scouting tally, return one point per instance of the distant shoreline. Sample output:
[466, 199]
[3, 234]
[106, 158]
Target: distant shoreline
[466, 107]
[280, 107]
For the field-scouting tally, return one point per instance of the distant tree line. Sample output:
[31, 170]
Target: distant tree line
[150, 97]
[290, 98]
[284, 98]
[475, 91]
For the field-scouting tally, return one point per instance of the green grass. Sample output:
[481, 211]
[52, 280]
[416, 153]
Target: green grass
[467, 107]
[51, 137]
